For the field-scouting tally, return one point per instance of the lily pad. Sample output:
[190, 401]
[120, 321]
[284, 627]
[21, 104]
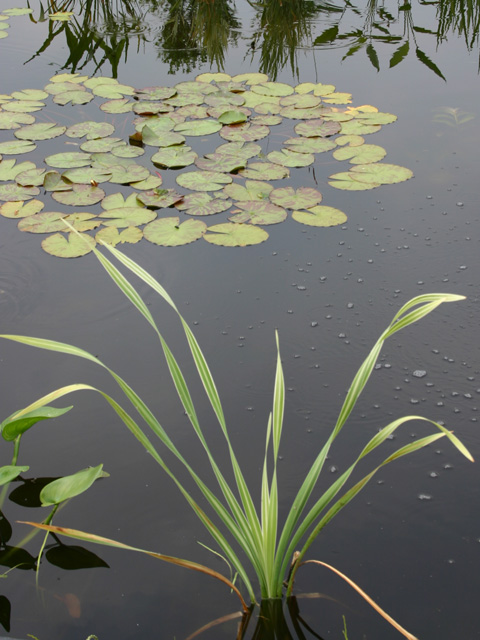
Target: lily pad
[175, 157]
[277, 89]
[149, 108]
[30, 178]
[351, 140]
[232, 117]
[155, 93]
[317, 128]
[363, 154]
[12, 192]
[259, 213]
[54, 88]
[75, 78]
[161, 138]
[159, 198]
[198, 127]
[53, 181]
[45, 222]
[202, 204]
[251, 78]
[9, 168]
[376, 117]
[267, 120]
[220, 162]
[90, 129]
[113, 91]
[244, 132]
[127, 216]
[127, 151]
[347, 182]
[21, 209]
[39, 131]
[268, 108]
[320, 216]
[253, 190]
[116, 200]
[337, 98]
[253, 100]
[203, 180]
[225, 99]
[231, 234]
[193, 111]
[356, 127]
[381, 173]
[73, 97]
[101, 145]
[120, 105]
[23, 106]
[288, 158]
[91, 83]
[68, 160]
[126, 175]
[264, 171]
[302, 198]
[244, 150]
[16, 11]
[152, 182]
[112, 236]
[213, 77]
[14, 120]
[168, 232]
[87, 175]
[81, 195]
[71, 246]
[310, 145]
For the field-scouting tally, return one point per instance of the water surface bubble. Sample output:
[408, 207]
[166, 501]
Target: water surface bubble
[424, 496]
[419, 373]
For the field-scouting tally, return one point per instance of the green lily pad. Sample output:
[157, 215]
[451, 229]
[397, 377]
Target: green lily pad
[244, 132]
[113, 91]
[75, 78]
[23, 106]
[155, 93]
[300, 101]
[149, 108]
[225, 99]
[202, 204]
[363, 154]
[268, 108]
[102, 145]
[112, 236]
[152, 182]
[45, 222]
[127, 151]
[232, 117]
[127, 216]
[71, 246]
[30, 178]
[198, 127]
[194, 112]
[346, 181]
[53, 181]
[91, 83]
[277, 89]
[168, 232]
[217, 112]
[16, 147]
[116, 200]
[317, 128]
[12, 192]
[337, 98]
[21, 209]
[203, 180]
[83, 221]
[220, 162]
[253, 190]
[318, 89]
[257, 212]
[3, 33]
[14, 120]
[80, 195]
[231, 234]
[185, 100]
[55, 88]
[74, 97]
[351, 140]
[157, 125]
[175, 157]
[39, 131]
[288, 158]
[381, 173]
[253, 100]
[9, 169]
[61, 16]
[269, 120]
[126, 175]
[251, 78]
[302, 198]
[68, 160]
[16, 11]
[87, 175]
[159, 198]
[356, 127]
[199, 88]
[213, 77]
[310, 145]
[120, 105]
[320, 216]
[375, 117]
[244, 150]
[161, 138]
[264, 171]
[90, 129]
[314, 113]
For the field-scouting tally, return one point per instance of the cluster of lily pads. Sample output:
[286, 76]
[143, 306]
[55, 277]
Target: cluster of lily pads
[5, 16]
[235, 178]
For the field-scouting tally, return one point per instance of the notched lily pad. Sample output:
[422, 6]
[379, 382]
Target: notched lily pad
[175, 157]
[256, 212]
[264, 171]
[9, 169]
[381, 173]
[320, 216]
[39, 131]
[46, 222]
[288, 158]
[198, 127]
[71, 246]
[231, 234]
[168, 232]
[82, 195]
[202, 204]
[111, 235]
[203, 180]
[362, 154]
[127, 216]
[16, 147]
[68, 160]
[347, 182]
[253, 190]
[21, 209]
[317, 128]
[13, 192]
[244, 132]
[302, 198]
[90, 129]
[159, 198]
[14, 120]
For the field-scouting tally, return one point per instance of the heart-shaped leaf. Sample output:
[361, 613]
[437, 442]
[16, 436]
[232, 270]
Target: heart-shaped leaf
[317, 128]
[202, 204]
[288, 158]
[90, 129]
[363, 154]
[198, 127]
[112, 236]
[264, 171]
[9, 169]
[14, 120]
[168, 232]
[346, 181]
[13, 192]
[12, 427]
[16, 147]
[244, 132]
[68, 160]
[302, 198]
[310, 145]
[127, 217]
[203, 180]
[253, 190]
[39, 131]
[259, 213]
[381, 173]
[80, 195]
[74, 245]
[160, 198]
[175, 157]
[320, 216]
[21, 209]
[231, 234]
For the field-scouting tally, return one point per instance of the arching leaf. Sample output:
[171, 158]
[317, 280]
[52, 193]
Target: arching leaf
[160, 198]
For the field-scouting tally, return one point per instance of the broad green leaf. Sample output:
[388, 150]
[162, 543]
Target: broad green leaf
[161, 138]
[356, 127]
[352, 140]
[13, 192]
[152, 182]
[53, 181]
[54, 88]
[317, 128]
[16, 11]
[68, 160]
[155, 93]
[251, 78]
[224, 99]
[149, 108]
[376, 118]
[91, 83]
[39, 131]
[127, 151]
[80, 195]
[277, 89]
[9, 169]
[75, 78]
[302, 198]
[220, 162]
[232, 117]
[203, 180]
[45, 222]
[72, 246]
[160, 198]
[268, 120]
[201, 204]
[253, 100]
[300, 101]
[16, 147]
[74, 97]
[175, 157]
[30, 178]
[112, 236]
[87, 175]
[185, 99]
[320, 216]
[264, 171]
[381, 173]
[61, 16]
[256, 212]
[127, 216]
[194, 112]
[199, 88]
[346, 181]
[230, 234]
[70, 486]
[198, 127]
[168, 232]
[244, 132]
[126, 174]
[83, 221]
[268, 108]
[116, 200]
[363, 154]
[121, 105]
[14, 120]
[337, 98]
[288, 158]
[315, 113]
[113, 91]
[90, 129]
[21, 209]
[244, 150]
[10, 472]
[253, 190]
[310, 145]
[12, 427]
[102, 145]
[213, 77]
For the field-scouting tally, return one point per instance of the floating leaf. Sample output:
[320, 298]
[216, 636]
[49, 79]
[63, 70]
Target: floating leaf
[91, 83]
[381, 173]
[356, 127]
[213, 77]
[14, 120]
[55, 88]
[155, 93]
[202, 204]
[39, 131]
[159, 198]
[337, 98]
[347, 182]
[102, 145]
[185, 99]
[19, 209]
[128, 174]
[320, 216]
[75, 78]
[121, 105]
[244, 150]
[111, 235]
[198, 127]
[310, 145]
[152, 182]
[363, 154]
[193, 111]
[266, 108]
[288, 158]
[259, 213]
[317, 128]
[16, 12]
[318, 89]
[277, 89]
[244, 132]
[231, 234]
[175, 157]
[61, 16]
[87, 175]
[232, 117]
[113, 91]
[30, 94]
[127, 216]
[9, 169]
[127, 151]
[74, 97]
[80, 195]
[352, 140]
[16, 147]
[116, 200]
[30, 178]
[90, 129]
[43, 222]
[251, 78]
[203, 180]
[161, 138]
[300, 101]
[268, 120]
[198, 88]
[253, 190]
[168, 232]
[83, 221]
[302, 198]
[264, 171]
[225, 99]
[253, 100]
[220, 162]
[302, 114]
[53, 181]
[71, 246]
[13, 192]
[68, 160]
[149, 108]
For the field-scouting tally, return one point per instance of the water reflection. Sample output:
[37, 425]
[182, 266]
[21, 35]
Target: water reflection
[190, 33]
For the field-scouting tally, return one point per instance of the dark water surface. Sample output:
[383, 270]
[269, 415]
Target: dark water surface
[412, 538]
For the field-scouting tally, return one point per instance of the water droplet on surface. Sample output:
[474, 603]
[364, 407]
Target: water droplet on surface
[424, 496]
[459, 204]
[314, 324]
[333, 469]
[419, 373]
[433, 474]
[414, 401]
[350, 305]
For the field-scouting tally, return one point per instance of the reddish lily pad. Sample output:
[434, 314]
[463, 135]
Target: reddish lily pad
[73, 245]
[168, 232]
[90, 129]
[30, 178]
[203, 180]
[317, 128]
[175, 157]
[69, 160]
[302, 198]
[232, 234]
[259, 213]
[9, 168]
[13, 192]
[202, 204]
[320, 216]
[288, 158]
[264, 171]
[310, 145]
[159, 198]
[244, 132]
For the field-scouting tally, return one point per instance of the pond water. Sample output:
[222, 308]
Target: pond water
[411, 539]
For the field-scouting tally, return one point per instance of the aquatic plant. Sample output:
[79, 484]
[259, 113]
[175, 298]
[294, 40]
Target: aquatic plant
[275, 550]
